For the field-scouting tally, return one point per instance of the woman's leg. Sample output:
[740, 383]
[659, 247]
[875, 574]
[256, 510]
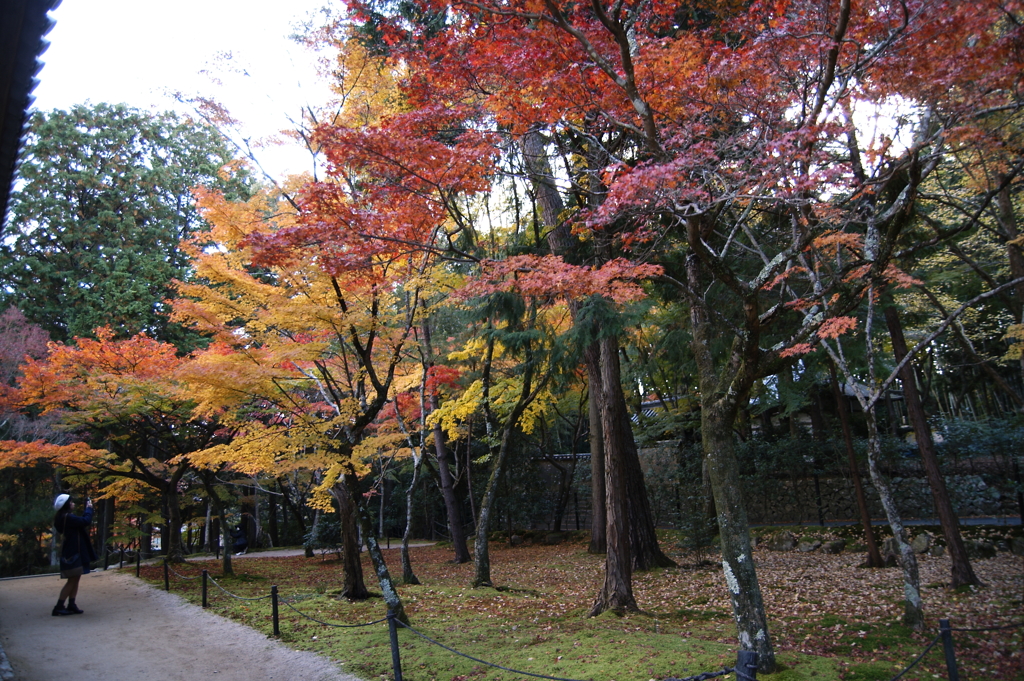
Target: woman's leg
[70, 589]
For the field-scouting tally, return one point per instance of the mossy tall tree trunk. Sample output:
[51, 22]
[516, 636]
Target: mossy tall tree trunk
[737, 554]
[380, 566]
[913, 609]
[408, 576]
[721, 389]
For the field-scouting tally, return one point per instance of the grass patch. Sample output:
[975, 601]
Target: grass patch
[829, 619]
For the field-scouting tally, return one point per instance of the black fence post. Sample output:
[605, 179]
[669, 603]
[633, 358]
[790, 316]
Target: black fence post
[947, 647]
[273, 610]
[746, 665]
[138, 560]
[205, 577]
[167, 576]
[396, 661]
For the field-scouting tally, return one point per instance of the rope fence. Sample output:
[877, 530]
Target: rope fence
[746, 662]
[917, 659]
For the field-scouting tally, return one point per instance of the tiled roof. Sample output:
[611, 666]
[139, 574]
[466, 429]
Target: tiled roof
[23, 24]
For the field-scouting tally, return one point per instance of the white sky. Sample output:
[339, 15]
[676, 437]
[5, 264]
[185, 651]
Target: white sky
[139, 52]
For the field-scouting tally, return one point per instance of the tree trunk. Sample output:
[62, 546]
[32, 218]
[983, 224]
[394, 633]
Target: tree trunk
[963, 574]
[874, 559]
[353, 585]
[737, 555]
[719, 405]
[387, 585]
[275, 536]
[172, 542]
[408, 576]
[208, 528]
[646, 553]
[617, 592]
[913, 610]
[451, 504]
[598, 515]
[218, 508]
[481, 555]
[566, 476]
[308, 546]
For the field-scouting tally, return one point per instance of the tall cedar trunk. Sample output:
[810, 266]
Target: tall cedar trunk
[963, 574]
[617, 592]
[646, 552]
[913, 610]
[598, 516]
[874, 555]
[353, 585]
[387, 585]
[560, 241]
[408, 576]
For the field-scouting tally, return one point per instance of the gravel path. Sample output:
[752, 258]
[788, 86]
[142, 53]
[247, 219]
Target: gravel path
[132, 631]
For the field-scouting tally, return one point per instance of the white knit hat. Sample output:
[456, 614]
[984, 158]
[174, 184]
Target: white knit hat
[59, 502]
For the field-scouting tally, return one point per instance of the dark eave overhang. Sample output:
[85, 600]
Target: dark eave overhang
[23, 25]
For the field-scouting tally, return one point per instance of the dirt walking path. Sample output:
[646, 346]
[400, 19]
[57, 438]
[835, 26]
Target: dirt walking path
[132, 631]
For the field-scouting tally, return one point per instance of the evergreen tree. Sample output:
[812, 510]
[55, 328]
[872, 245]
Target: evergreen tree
[102, 202]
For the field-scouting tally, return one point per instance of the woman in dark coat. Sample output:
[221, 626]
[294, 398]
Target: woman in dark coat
[76, 553]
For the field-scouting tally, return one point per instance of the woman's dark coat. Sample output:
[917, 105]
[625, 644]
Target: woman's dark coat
[77, 549]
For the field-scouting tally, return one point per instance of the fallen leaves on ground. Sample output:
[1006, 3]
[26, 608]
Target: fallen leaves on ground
[818, 605]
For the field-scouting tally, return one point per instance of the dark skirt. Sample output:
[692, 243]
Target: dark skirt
[80, 568]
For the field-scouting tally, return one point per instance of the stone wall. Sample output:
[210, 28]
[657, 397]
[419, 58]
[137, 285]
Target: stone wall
[796, 500]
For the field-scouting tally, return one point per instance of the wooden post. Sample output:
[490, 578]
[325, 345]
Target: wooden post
[396, 661]
[947, 647]
[746, 665]
[273, 609]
